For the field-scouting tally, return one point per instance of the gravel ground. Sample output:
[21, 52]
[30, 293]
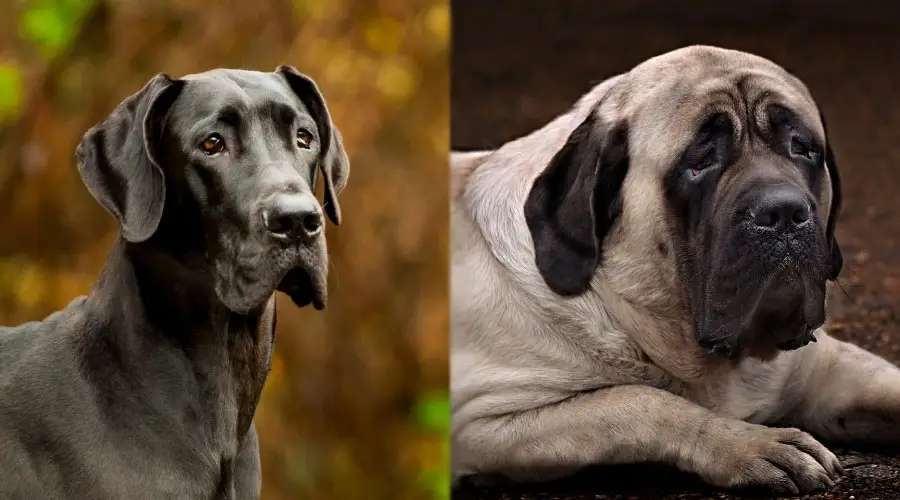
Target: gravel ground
[518, 63]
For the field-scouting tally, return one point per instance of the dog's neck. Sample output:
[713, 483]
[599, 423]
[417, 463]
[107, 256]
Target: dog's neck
[149, 301]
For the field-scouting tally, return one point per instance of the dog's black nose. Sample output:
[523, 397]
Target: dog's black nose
[781, 209]
[293, 216]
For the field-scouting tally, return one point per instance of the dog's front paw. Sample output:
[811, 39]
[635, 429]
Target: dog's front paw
[785, 460]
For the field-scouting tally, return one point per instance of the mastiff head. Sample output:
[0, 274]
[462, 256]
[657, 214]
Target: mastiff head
[703, 174]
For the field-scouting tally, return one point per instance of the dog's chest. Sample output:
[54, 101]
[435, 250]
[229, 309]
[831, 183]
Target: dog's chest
[203, 448]
[749, 391]
[208, 431]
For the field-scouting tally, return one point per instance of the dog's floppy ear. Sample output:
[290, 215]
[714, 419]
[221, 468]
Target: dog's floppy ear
[334, 164]
[837, 257]
[117, 162]
[574, 203]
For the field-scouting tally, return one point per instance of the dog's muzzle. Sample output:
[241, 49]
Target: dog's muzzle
[769, 288]
[294, 222]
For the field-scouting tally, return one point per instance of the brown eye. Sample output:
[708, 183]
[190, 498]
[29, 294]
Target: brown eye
[213, 145]
[304, 139]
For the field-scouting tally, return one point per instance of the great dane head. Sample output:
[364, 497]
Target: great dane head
[221, 168]
[705, 173]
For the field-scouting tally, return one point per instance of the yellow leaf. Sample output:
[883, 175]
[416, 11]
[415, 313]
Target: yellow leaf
[311, 9]
[395, 79]
[384, 35]
[31, 286]
[438, 21]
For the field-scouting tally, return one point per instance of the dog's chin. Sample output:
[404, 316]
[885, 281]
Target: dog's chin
[301, 285]
[765, 338]
[303, 289]
[783, 329]
[780, 315]
[788, 320]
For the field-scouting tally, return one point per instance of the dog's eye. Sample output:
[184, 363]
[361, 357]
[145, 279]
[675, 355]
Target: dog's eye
[696, 170]
[707, 160]
[304, 139]
[798, 148]
[213, 145]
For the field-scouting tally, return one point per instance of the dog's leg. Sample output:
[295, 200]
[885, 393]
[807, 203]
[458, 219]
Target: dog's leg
[845, 395]
[631, 424]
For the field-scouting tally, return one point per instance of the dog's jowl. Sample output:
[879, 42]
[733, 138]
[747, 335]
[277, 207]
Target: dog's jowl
[643, 280]
[147, 387]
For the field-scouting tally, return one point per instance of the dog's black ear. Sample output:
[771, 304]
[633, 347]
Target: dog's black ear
[574, 203]
[837, 257]
[116, 158]
[334, 164]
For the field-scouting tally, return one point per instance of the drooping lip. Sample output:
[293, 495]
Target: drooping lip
[305, 286]
[781, 286]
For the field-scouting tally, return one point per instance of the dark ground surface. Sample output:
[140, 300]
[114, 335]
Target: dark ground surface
[518, 63]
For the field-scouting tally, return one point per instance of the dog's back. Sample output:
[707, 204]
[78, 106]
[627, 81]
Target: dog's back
[22, 345]
[462, 164]
[43, 401]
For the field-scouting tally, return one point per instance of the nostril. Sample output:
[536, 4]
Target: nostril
[278, 224]
[766, 218]
[284, 225]
[800, 215]
[312, 223]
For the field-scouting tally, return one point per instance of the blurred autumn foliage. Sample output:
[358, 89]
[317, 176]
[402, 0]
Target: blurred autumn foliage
[356, 403]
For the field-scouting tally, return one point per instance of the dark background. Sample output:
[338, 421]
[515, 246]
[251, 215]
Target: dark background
[516, 64]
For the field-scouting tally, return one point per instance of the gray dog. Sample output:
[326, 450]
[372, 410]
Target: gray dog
[146, 388]
[643, 280]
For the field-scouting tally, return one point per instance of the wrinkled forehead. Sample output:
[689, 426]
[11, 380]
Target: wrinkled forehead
[226, 94]
[670, 96]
